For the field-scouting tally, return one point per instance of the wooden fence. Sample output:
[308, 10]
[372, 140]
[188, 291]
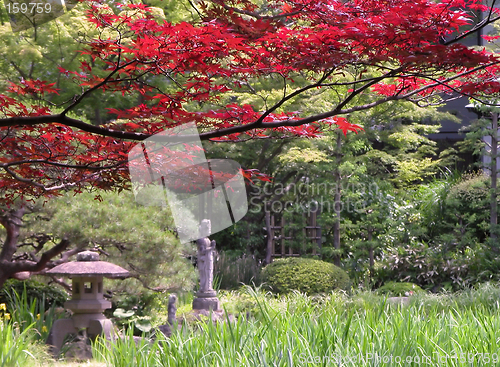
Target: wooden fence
[278, 241]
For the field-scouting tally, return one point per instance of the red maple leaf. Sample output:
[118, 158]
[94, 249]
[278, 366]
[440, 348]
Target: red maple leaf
[346, 126]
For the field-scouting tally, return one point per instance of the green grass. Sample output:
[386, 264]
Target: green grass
[24, 327]
[14, 345]
[364, 329]
[31, 313]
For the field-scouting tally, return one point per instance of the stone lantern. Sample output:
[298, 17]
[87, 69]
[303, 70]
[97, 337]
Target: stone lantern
[87, 301]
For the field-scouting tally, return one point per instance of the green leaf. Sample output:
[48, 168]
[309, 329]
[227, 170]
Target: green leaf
[143, 325]
[122, 314]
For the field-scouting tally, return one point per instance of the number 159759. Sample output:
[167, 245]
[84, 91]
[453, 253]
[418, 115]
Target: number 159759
[30, 8]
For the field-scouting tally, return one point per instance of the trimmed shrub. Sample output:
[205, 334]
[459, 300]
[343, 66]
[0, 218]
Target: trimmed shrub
[397, 289]
[304, 275]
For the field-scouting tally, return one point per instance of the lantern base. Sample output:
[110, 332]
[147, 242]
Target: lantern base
[63, 327]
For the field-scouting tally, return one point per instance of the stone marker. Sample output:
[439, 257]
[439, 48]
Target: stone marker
[166, 329]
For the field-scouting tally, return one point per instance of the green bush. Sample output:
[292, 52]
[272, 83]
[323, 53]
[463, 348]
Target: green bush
[399, 289]
[47, 294]
[304, 275]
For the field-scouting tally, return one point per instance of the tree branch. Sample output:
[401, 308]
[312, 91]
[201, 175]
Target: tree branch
[64, 165]
[31, 266]
[485, 22]
[256, 15]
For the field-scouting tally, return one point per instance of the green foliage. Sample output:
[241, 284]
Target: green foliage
[176, 11]
[295, 327]
[243, 301]
[126, 351]
[437, 237]
[483, 265]
[138, 310]
[482, 295]
[36, 53]
[48, 295]
[398, 148]
[428, 266]
[304, 275]
[468, 209]
[464, 223]
[399, 289]
[394, 148]
[138, 238]
[29, 312]
[39, 52]
[244, 236]
[432, 198]
[128, 318]
[305, 155]
[365, 227]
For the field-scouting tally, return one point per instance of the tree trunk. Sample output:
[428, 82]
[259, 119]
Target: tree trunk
[493, 197]
[97, 117]
[269, 246]
[337, 197]
[12, 222]
[371, 251]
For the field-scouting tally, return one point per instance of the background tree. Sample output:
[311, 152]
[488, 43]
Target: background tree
[438, 236]
[302, 171]
[482, 138]
[138, 238]
[20, 265]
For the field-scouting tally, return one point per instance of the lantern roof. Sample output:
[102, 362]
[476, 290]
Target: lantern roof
[87, 264]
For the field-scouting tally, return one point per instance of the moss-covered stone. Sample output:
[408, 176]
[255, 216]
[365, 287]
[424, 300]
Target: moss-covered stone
[396, 289]
[304, 275]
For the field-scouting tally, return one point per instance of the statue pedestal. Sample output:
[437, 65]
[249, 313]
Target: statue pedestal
[206, 301]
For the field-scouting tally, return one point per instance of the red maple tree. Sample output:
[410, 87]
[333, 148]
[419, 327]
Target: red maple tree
[390, 49]
[366, 50]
